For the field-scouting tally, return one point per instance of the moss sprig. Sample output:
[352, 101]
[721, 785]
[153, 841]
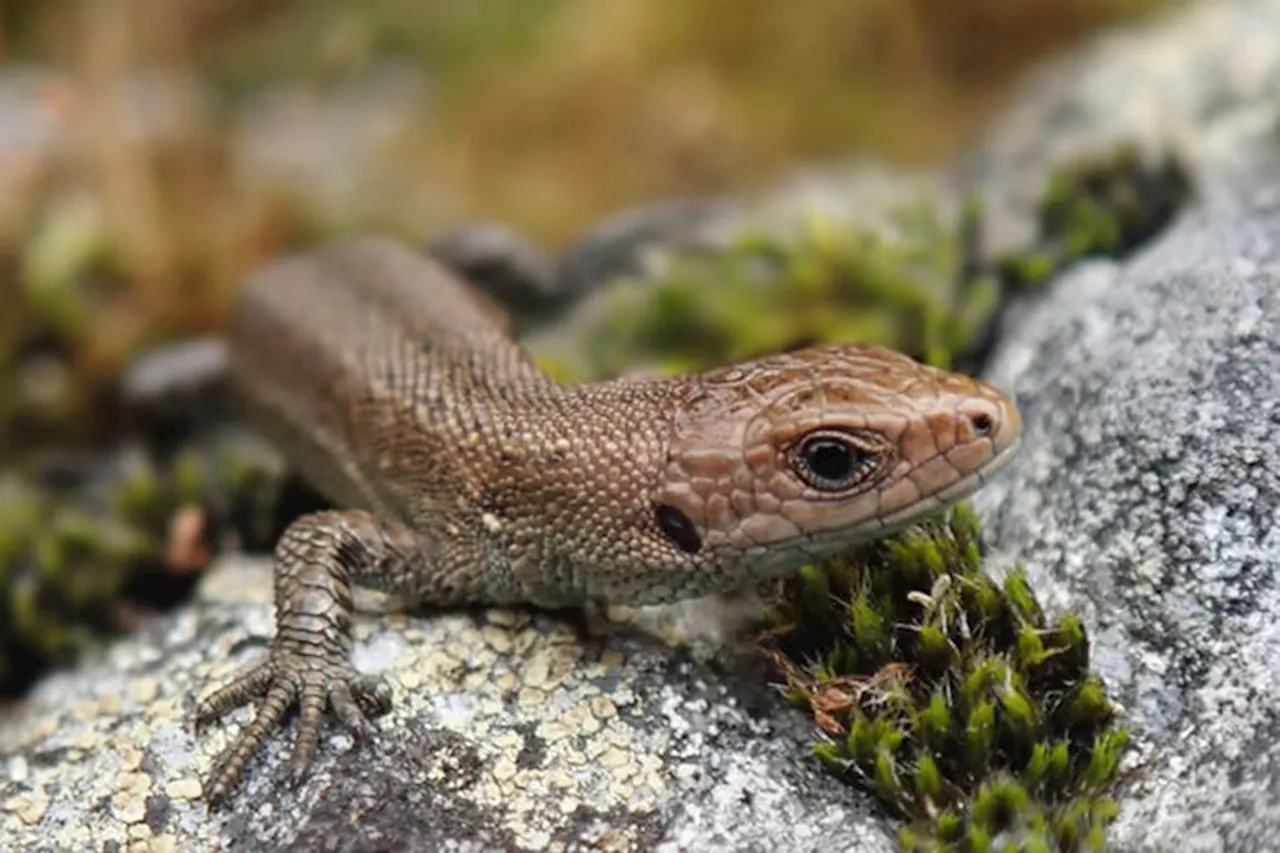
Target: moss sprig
[1103, 205]
[78, 560]
[950, 696]
[912, 284]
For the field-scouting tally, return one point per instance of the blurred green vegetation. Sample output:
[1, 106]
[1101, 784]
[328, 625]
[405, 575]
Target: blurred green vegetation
[921, 289]
[920, 284]
[547, 114]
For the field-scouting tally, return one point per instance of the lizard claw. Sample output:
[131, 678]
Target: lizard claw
[311, 679]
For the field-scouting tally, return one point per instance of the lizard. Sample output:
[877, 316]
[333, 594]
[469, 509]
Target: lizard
[467, 476]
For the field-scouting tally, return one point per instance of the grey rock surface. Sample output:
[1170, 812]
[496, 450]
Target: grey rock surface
[1147, 499]
[1197, 79]
[511, 731]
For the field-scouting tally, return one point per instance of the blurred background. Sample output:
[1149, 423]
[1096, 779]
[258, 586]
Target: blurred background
[153, 151]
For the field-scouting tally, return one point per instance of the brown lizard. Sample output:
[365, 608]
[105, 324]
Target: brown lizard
[476, 479]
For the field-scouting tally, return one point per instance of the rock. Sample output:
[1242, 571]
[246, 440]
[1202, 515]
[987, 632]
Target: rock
[1197, 78]
[623, 243]
[167, 391]
[506, 265]
[510, 731]
[1147, 499]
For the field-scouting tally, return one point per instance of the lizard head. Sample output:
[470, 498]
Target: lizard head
[779, 460]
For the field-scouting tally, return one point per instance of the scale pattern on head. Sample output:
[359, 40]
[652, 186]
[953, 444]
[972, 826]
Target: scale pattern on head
[798, 454]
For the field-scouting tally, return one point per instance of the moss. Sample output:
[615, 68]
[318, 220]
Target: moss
[77, 559]
[922, 285]
[1101, 206]
[952, 698]
[917, 290]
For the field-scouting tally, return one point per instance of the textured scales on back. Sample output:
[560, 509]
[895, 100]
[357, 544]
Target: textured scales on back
[469, 476]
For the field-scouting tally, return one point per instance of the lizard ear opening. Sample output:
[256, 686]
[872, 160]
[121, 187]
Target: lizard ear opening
[677, 527]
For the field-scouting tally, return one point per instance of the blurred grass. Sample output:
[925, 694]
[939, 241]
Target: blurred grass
[544, 114]
[549, 113]
[618, 100]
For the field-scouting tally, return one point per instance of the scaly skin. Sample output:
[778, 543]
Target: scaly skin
[474, 478]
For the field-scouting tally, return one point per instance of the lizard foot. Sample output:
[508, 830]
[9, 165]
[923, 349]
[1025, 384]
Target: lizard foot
[310, 678]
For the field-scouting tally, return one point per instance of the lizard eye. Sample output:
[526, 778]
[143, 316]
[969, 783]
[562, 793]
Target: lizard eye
[832, 461]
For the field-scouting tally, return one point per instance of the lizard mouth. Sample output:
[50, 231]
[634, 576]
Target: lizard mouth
[823, 545]
[957, 491]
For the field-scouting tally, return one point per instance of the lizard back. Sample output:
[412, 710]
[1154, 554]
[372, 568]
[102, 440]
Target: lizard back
[347, 356]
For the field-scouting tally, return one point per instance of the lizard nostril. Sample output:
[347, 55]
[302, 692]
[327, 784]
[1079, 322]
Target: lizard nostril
[983, 424]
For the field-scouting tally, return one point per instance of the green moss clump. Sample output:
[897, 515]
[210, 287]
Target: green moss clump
[916, 289]
[88, 494]
[921, 285]
[78, 560]
[949, 696]
[1099, 206]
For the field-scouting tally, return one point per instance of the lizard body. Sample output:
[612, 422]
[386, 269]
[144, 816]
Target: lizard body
[474, 478]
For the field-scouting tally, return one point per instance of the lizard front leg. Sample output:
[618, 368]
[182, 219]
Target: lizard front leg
[317, 560]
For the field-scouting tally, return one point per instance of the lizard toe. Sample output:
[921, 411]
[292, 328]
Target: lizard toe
[230, 765]
[372, 693]
[349, 711]
[239, 691]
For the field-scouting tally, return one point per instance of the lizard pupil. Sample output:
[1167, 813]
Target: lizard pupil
[678, 528]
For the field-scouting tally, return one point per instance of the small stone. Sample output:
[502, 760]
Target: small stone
[560, 781]
[144, 690]
[553, 731]
[497, 638]
[130, 757]
[128, 808]
[186, 788]
[569, 805]
[475, 681]
[169, 709]
[31, 809]
[504, 770]
[502, 617]
[687, 774]
[524, 642]
[535, 674]
[510, 741]
[135, 783]
[613, 757]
